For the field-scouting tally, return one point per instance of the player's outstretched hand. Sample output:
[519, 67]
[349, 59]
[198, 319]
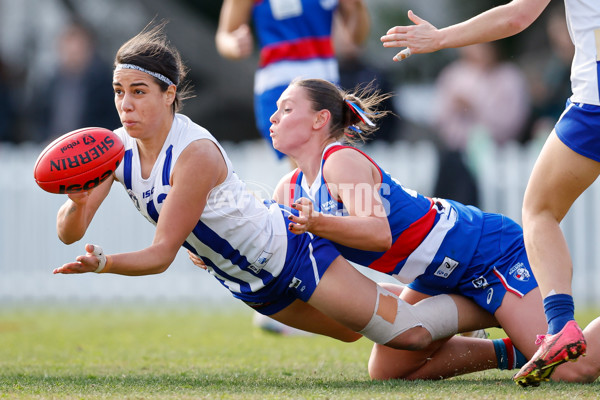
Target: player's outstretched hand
[93, 261]
[306, 218]
[422, 37]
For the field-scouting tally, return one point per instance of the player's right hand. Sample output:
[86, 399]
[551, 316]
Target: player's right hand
[90, 262]
[306, 218]
[243, 41]
[422, 37]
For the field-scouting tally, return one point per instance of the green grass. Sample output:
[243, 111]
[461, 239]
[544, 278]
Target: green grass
[184, 353]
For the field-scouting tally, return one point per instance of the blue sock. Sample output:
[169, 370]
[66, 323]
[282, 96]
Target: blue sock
[559, 309]
[507, 355]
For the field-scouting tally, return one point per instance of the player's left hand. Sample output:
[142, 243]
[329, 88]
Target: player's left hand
[89, 262]
[306, 218]
[422, 37]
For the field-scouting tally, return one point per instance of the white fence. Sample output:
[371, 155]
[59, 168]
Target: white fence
[30, 249]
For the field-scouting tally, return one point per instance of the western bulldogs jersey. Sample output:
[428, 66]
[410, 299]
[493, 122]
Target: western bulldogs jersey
[436, 233]
[242, 241]
[295, 39]
[295, 42]
[583, 21]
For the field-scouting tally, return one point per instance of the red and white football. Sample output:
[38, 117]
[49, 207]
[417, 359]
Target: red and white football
[79, 160]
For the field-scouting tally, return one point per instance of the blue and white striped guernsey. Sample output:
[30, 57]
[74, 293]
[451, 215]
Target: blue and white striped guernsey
[242, 240]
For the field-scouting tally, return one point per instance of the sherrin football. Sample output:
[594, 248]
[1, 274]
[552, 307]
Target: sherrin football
[79, 160]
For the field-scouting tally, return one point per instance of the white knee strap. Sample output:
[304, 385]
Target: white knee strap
[393, 316]
[439, 316]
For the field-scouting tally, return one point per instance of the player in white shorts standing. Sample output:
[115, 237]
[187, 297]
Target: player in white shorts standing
[567, 165]
[174, 168]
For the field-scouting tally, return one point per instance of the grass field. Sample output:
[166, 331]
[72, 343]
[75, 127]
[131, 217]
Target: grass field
[167, 352]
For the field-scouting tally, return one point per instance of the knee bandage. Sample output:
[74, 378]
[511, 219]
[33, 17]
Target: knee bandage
[393, 316]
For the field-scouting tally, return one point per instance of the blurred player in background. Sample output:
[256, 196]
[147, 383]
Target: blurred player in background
[175, 169]
[76, 94]
[294, 38]
[434, 245]
[567, 165]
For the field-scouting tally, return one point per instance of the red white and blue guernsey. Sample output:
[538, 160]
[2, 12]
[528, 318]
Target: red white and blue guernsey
[243, 241]
[295, 42]
[579, 125]
[438, 245]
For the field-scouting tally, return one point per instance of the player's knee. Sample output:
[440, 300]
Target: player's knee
[381, 369]
[400, 325]
[417, 338]
[579, 372]
[381, 373]
[384, 368]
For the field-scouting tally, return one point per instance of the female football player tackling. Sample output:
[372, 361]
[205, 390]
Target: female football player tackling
[434, 245]
[567, 165]
[176, 169]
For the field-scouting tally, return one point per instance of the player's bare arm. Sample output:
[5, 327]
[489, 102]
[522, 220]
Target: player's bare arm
[180, 212]
[353, 16]
[353, 180]
[181, 209]
[75, 215]
[497, 23]
[282, 193]
[234, 39]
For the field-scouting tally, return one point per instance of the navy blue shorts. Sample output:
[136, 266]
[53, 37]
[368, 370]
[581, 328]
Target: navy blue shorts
[499, 266]
[579, 129]
[308, 257]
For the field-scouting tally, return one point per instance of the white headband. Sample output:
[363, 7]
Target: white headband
[154, 74]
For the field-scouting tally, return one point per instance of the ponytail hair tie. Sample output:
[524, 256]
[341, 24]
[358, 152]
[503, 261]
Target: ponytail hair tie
[359, 113]
[354, 129]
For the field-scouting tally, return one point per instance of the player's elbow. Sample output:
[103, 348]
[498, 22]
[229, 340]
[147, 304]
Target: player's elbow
[518, 18]
[385, 242]
[518, 23]
[163, 257]
[162, 265]
[68, 236]
[382, 240]
[67, 240]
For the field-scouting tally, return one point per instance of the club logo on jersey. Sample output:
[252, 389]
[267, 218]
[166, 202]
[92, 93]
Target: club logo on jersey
[260, 262]
[480, 283]
[134, 198]
[446, 268]
[328, 206]
[520, 272]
